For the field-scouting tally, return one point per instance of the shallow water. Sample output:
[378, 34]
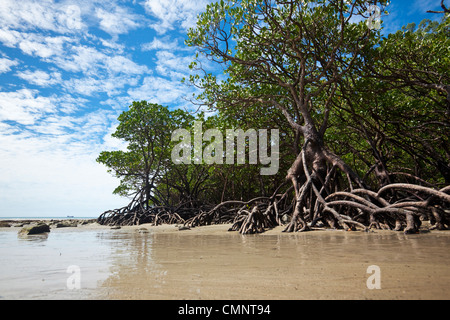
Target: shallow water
[125, 264]
[36, 267]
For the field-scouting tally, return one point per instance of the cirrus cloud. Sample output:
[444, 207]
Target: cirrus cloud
[6, 64]
[173, 14]
[44, 15]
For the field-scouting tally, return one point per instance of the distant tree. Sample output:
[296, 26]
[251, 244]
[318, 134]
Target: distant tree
[146, 129]
[144, 166]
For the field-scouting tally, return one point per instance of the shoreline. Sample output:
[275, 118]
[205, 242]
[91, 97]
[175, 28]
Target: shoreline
[20, 222]
[209, 262]
[92, 224]
[80, 224]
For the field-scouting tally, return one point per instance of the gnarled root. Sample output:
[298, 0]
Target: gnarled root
[399, 206]
[254, 221]
[137, 212]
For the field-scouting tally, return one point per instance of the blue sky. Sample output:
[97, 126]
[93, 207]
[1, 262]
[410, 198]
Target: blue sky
[69, 68]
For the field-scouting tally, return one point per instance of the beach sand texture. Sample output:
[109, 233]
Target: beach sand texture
[161, 262]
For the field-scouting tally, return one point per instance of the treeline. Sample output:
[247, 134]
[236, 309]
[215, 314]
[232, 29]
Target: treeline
[363, 122]
[152, 177]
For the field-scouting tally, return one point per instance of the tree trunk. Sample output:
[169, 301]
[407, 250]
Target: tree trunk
[147, 192]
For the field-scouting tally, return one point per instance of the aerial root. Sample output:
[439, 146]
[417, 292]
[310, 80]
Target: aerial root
[137, 212]
[400, 207]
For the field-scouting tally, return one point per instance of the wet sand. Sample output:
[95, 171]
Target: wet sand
[145, 262]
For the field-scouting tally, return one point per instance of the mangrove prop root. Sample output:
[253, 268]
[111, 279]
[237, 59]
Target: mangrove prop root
[400, 207]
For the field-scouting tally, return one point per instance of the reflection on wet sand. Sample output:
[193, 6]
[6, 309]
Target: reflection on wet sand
[314, 265]
[211, 263]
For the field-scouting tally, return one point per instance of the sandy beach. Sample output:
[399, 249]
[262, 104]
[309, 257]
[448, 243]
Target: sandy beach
[162, 262]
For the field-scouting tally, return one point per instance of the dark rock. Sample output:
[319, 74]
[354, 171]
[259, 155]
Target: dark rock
[66, 224]
[88, 221]
[37, 229]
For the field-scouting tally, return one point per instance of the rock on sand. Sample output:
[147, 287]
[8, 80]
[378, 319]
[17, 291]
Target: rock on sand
[40, 228]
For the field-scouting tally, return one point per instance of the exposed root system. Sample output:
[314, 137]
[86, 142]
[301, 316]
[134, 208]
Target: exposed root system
[305, 206]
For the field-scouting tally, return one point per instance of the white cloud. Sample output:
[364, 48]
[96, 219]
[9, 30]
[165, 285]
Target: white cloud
[164, 43]
[171, 65]
[117, 21]
[24, 106]
[117, 103]
[49, 138]
[9, 38]
[40, 49]
[69, 104]
[90, 61]
[34, 44]
[111, 85]
[73, 17]
[159, 44]
[174, 13]
[40, 78]
[43, 14]
[121, 64]
[117, 47]
[80, 59]
[6, 64]
[27, 107]
[161, 91]
[111, 143]
[57, 171]
[57, 126]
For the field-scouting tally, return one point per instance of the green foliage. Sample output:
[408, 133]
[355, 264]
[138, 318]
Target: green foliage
[147, 129]
[381, 104]
[389, 97]
[395, 110]
[146, 164]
